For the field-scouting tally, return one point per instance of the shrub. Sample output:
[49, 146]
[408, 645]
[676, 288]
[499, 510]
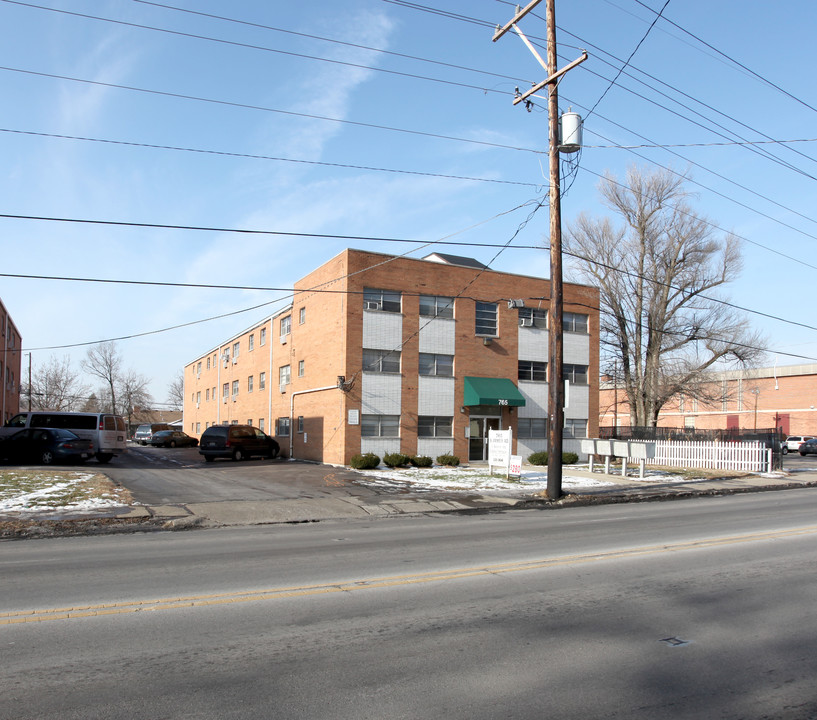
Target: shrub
[538, 458]
[541, 458]
[364, 462]
[421, 461]
[451, 460]
[395, 460]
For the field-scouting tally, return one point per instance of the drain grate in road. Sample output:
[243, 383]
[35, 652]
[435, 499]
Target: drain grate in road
[674, 642]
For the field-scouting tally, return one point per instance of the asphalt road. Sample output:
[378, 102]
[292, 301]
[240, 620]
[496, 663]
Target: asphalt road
[165, 476]
[694, 609]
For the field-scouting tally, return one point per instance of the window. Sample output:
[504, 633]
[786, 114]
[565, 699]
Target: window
[282, 426]
[574, 322]
[251, 343]
[263, 336]
[533, 317]
[436, 364]
[575, 428]
[236, 348]
[300, 368]
[380, 425]
[433, 426]
[249, 422]
[385, 300]
[198, 398]
[286, 325]
[382, 361]
[208, 362]
[436, 306]
[577, 374]
[214, 393]
[226, 390]
[486, 319]
[284, 375]
[302, 316]
[531, 428]
[261, 424]
[249, 387]
[207, 395]
[300, 423]
[262, 380]
[198, 428]
[533, 370]
[681, 403]
[235, 389]
[198, 369]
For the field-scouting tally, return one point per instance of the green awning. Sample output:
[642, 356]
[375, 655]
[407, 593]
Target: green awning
[491, 391]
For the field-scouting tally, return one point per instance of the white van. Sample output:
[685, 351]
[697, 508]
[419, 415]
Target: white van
[106, 431]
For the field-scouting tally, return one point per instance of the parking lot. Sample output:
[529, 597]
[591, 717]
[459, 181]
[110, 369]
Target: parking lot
[180, 475]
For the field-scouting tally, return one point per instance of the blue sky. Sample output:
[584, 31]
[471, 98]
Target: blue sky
[321, 120]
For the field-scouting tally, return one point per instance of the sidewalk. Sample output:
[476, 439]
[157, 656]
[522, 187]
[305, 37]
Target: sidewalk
[215, 514]
[377, 504]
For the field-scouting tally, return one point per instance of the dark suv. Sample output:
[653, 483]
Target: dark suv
[237, 442]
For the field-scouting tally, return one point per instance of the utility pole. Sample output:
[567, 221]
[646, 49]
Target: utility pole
[556, 386]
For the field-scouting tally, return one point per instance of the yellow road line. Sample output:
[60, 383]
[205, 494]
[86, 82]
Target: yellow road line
[119, 608]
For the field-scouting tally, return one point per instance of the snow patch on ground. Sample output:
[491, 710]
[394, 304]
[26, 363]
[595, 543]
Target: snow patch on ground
[478, 479]
[58, 492]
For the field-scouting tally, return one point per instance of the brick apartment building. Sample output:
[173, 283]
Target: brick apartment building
[758, 398]
[388, 354]
[10, 365]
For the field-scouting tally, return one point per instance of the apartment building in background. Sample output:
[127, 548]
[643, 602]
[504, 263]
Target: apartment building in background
[783, 397]
[381, 354]
[10, 364]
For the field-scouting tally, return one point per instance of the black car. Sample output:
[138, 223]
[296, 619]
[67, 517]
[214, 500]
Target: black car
[46, 446]
[809, 447]
[238, 442]
[172, 438]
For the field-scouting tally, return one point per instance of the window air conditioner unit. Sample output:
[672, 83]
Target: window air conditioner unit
[198, 405]
[226, 360]
[372, 305]
[282, 387]
[284, 339]
[235, 397]
[525, 322]
[235, 360]
[225, 399]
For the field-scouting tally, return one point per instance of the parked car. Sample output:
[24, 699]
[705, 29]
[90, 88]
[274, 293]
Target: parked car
[793, 442]
[237, 442]
[144, 433]
[46, 446]
[809, 447]
[172, 438]
[107, 432]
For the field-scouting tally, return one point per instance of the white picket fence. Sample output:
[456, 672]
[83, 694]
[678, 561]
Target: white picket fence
[745, 456]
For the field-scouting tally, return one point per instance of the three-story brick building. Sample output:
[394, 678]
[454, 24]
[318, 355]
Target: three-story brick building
[390, 354]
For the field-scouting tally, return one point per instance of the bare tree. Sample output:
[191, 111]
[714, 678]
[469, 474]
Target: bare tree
[123, 389]
[133, 393]
[658, 273]
[175, 392]
[56, 386]
[105, 362]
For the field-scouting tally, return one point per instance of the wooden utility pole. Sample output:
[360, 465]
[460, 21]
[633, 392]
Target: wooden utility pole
[556, 399]
[556, 386]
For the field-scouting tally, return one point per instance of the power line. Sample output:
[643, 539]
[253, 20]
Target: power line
[248, 46]
[627, 62]
[223, 153]
[760, 77]
[247, 106]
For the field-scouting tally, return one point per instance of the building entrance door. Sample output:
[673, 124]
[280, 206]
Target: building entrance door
[478, 434]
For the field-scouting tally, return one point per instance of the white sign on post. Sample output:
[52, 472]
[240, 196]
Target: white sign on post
[499, 450]
[515, 469]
